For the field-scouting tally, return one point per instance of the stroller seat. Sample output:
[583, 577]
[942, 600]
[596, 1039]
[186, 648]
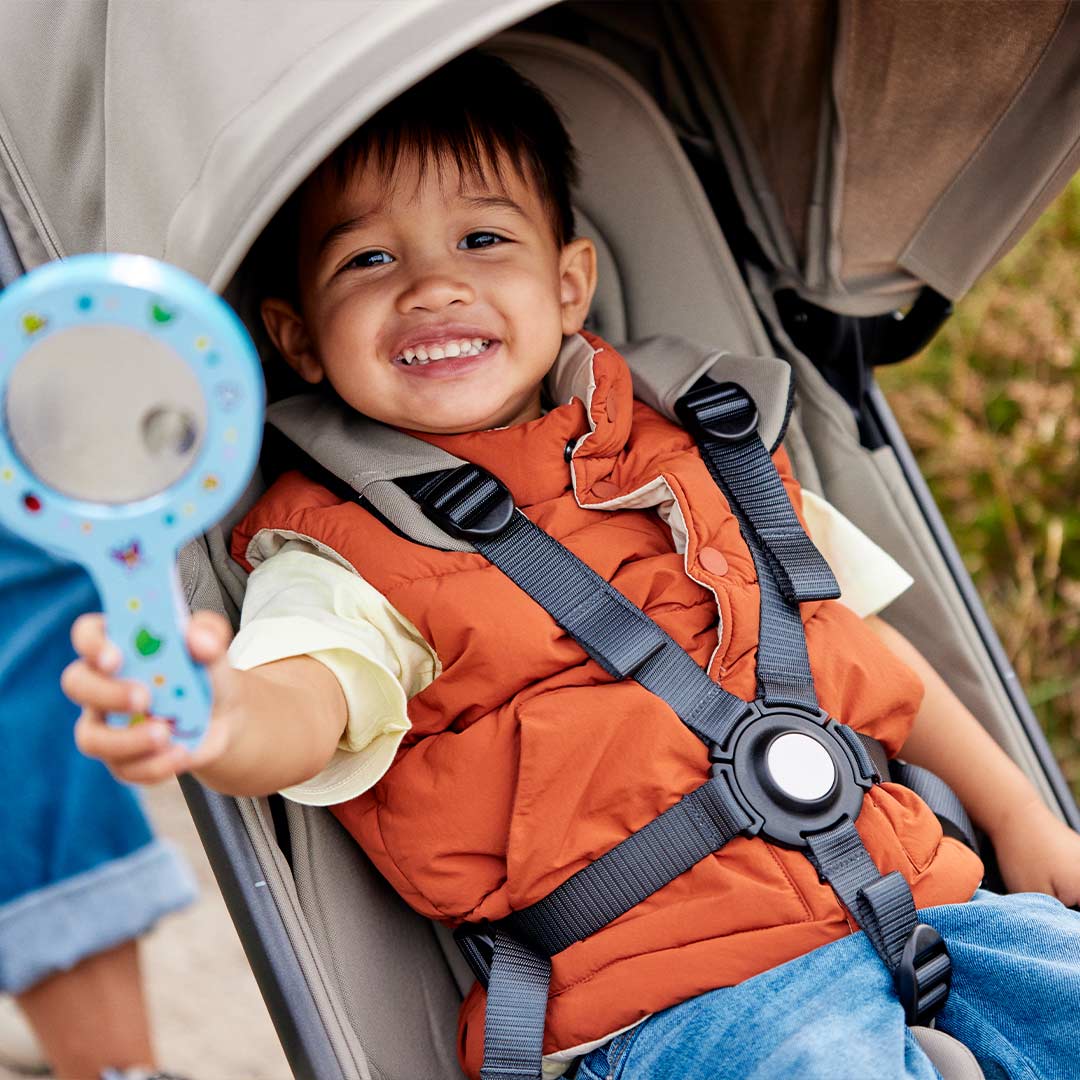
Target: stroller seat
[372, 989]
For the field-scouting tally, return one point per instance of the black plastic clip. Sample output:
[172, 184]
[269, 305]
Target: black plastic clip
[467, 502]
[924, 976]
[722, 411]
[477, 944]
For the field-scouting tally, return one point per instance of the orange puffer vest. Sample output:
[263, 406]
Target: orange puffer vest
[526, 761]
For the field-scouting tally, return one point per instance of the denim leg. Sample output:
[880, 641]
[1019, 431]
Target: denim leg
[833, 1014]
[54, 927]
[1015, 999]
[80, 870]
[829, 1015]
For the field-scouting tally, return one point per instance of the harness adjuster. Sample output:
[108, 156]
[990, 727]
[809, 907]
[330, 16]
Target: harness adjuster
[477, 944]
[720, 411]
[468, 502]
[924, 976]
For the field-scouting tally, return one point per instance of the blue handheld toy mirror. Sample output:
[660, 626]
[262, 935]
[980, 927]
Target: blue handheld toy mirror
[131, 400]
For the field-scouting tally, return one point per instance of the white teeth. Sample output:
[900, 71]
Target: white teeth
[422, 354]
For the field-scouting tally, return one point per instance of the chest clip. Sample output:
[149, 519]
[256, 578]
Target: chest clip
[794, 770]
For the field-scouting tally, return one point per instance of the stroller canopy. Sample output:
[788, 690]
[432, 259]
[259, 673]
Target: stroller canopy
[873, 146]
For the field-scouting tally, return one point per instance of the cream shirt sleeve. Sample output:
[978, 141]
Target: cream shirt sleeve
[869, 577]
[299, 602]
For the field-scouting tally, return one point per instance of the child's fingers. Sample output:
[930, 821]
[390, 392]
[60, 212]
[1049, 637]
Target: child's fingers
[87, 686]
[143, 753]
[154, 768]
[208, 636]
[117, 746]
[89, 640]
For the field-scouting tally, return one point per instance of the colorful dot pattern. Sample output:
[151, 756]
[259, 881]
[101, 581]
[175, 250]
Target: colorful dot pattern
[131, 550]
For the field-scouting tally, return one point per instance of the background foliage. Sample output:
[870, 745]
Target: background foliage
[992, 410]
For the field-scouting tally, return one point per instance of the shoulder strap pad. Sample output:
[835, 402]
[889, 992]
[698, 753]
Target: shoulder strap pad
[665, 368]
[369, 457]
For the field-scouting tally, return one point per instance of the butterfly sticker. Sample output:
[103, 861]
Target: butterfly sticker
[129, 557]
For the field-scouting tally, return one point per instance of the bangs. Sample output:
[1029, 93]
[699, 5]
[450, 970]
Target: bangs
[475, 115]
[472, 117]
[469, 154]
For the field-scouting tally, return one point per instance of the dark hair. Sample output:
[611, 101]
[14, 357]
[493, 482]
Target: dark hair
[476, 111]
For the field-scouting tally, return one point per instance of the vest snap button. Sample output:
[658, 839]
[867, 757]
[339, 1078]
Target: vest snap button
[713, 560]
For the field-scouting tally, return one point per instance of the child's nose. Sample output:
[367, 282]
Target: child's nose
[434, 291]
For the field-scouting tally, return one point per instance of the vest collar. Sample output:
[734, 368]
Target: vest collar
[594, 400]
[591, 385]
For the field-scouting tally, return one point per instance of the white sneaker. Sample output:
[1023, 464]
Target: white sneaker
[19, 1049]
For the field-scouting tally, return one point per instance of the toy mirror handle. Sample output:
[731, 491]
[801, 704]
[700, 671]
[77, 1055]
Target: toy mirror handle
[148, 624]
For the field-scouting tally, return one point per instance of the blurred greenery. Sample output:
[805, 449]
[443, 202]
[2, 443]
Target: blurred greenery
[992, 410]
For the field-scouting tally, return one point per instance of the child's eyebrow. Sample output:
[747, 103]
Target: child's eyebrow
[478, 202]
[497, 202]
[342, 227]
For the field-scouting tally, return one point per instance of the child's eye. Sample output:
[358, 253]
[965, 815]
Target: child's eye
[481, 240]
[370, 258]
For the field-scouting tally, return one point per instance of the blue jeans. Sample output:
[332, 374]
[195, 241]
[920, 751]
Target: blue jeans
[80, 871]
[833, 1015]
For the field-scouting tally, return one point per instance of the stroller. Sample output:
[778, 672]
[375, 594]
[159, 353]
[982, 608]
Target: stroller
[815, 182]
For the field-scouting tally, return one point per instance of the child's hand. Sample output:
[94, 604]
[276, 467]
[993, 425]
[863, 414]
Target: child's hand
[143, 754]
[1038, 853]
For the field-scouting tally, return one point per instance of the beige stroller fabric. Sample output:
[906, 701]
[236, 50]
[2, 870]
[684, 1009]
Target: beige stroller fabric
[961, 118]
[177, 130]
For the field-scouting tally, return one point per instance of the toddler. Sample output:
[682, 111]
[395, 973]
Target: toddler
[429, 275]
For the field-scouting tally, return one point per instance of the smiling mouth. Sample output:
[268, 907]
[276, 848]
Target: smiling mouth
[445, 350]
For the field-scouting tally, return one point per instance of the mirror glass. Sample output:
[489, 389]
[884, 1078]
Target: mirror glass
[105, 413]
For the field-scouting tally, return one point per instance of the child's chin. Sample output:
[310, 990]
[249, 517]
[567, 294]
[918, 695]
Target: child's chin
[462, 421]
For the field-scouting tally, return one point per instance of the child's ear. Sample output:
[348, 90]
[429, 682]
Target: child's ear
[288, 331]
[577, 282]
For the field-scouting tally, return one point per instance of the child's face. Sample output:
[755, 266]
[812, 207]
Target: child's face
[398, 271]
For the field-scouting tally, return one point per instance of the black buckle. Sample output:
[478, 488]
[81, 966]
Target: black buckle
[777, 815]
[477, 944]
[467, 502]
[924, 976]
[722, 411]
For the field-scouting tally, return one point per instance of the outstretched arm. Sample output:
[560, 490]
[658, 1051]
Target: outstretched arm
[271, 727]
[1035, 850]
